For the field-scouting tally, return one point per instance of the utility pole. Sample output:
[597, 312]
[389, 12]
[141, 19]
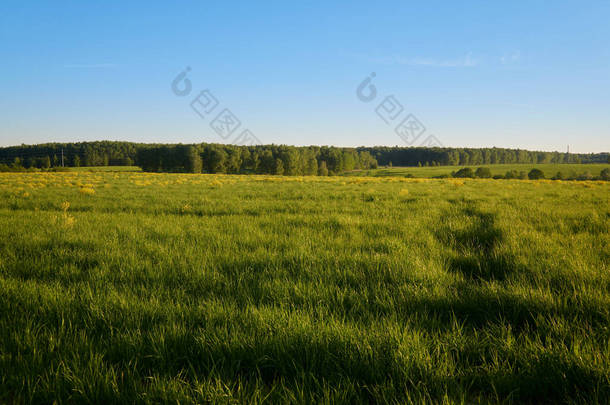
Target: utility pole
[62, 157]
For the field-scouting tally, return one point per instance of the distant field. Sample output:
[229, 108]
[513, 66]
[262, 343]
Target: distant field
[568, 170]
[121, 287]
[106, 169]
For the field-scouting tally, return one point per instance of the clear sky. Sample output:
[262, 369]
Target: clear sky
[523, 74]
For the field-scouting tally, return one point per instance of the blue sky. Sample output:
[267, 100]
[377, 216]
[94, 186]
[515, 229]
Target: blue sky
[529, 74]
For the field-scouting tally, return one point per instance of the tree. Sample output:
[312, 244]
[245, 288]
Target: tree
[279, 167]
[322, 169]
[465, 172]
[296, 160]
[511, 174]
[312, 166]
[290, 160]
[234, 161]
[605, 174]
[216, 160]
[348, 160]
[194, 164]
[483, 173]
[453, 158]
[535, 174]
[476, 157]
[267, 162]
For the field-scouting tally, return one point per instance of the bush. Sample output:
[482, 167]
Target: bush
[511, 174]
[498, 177]
[558, 176]
[605, 174]
[483, 173]
[465, 172]
[14, 168]
[585, 176]
[535, 174]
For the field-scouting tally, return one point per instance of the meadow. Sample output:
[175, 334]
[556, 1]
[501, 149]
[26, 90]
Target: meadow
[98, 169]
[126, 287]
[549, 170]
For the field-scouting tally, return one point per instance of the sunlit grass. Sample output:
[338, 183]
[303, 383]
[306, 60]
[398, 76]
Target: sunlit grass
[219, 288]
[549, 169]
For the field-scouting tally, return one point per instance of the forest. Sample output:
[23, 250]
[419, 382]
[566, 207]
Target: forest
[266, 159]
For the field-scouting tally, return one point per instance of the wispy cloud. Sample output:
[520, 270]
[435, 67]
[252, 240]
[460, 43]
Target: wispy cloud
[464, 61]
[90, 65]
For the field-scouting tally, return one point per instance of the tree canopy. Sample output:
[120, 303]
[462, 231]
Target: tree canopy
[268, 159]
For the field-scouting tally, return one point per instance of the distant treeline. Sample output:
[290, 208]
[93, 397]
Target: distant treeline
[268, 159]
[43, 156]
[399, 156]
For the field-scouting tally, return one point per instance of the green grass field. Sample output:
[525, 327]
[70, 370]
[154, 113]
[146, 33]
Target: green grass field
[568, 170]
[105, 169]
[147, 288]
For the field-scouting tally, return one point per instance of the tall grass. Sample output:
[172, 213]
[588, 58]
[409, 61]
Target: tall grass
[194, 288]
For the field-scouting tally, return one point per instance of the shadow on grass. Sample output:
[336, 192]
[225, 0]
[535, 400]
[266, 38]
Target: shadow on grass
[149, 344]
[308, 357]
[475, 245]
[269, 351]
